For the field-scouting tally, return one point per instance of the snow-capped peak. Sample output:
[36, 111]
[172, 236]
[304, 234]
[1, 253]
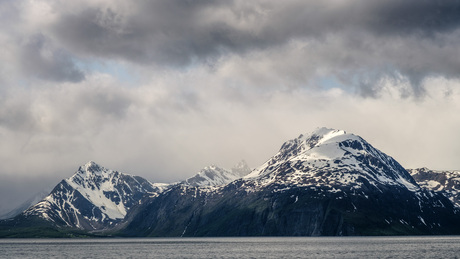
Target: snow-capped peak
[319, 144]
[210, 176]
[241, 169]
[347, 156]
[214, 175]
[89, 175]
[323, 134]
[94, 196]
[90, 168]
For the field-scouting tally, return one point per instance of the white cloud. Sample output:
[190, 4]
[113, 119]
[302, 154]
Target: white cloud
[169, 128]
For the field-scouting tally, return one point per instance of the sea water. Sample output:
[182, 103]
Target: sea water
[237, 247]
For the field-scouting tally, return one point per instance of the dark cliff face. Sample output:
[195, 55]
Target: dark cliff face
[325, 183]
[278, 211]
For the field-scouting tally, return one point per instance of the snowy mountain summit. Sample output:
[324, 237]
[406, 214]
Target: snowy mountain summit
[215, 176]
[93, 198]
[330, 157]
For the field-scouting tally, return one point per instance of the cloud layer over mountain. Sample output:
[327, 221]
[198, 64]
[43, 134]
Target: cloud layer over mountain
[164, 88]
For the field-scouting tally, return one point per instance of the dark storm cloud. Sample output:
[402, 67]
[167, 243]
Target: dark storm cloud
[41, 60]
[179, 33]
[419, 16]
[162, 32]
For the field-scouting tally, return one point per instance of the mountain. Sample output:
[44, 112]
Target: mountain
[94, 198]
[241, 169]
[214, 175]
[447, 182]
[332, 158]
[327, 182]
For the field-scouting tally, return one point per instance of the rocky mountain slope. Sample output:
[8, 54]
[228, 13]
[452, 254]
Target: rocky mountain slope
[324, 183]
[447, 182]
[94, 198]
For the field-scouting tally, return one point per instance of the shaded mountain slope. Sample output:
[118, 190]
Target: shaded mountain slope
[324, 183]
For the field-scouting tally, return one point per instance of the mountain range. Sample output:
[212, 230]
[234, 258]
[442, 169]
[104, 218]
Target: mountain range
[446, 182]
[327, 182]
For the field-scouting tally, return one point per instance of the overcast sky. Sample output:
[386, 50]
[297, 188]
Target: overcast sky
[163, 88]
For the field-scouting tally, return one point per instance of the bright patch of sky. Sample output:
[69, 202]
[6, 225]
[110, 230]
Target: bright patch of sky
[122, 73]
[330, 82]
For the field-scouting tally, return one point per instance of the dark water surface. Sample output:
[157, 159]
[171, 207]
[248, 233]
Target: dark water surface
[238, 247]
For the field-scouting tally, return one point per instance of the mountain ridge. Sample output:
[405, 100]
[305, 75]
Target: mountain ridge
[327, 182]
[214, 175]
[338, 152]
[444, 181]
[93, 198]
